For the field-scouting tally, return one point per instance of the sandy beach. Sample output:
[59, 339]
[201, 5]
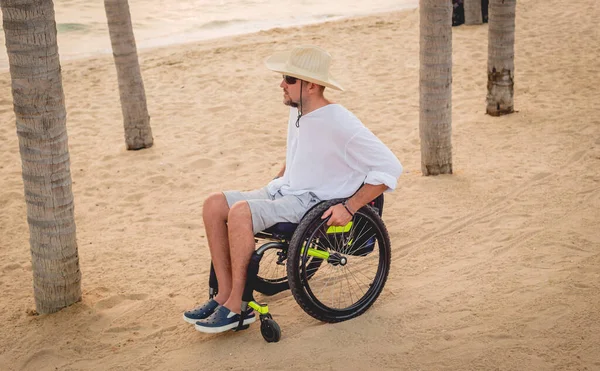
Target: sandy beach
[496, 267]
[83, 30]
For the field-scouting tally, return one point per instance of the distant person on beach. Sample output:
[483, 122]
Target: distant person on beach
[330, 154]
[458, 12]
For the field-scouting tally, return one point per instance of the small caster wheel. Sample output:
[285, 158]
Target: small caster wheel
[270, 330]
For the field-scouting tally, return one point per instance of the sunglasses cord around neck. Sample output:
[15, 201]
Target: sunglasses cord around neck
[299, 107]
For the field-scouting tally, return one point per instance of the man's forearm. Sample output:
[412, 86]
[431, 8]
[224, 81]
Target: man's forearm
[280, 174]
[365, 194]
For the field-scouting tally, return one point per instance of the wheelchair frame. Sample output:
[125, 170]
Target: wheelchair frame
[270, 330]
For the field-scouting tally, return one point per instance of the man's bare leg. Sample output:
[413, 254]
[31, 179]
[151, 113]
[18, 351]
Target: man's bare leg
[241, 245]
[214, 213]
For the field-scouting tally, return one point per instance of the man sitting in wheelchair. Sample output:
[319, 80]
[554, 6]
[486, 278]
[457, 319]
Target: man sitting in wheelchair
[330, 155]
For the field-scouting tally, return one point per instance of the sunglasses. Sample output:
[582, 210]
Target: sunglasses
[290, 80]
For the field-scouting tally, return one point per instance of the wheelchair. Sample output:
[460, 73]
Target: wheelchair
[335, 273]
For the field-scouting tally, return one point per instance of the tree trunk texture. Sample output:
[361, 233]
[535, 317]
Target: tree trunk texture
[501, 57]
[136, 120]
[39, 107]
[473, 15]
[435, 87]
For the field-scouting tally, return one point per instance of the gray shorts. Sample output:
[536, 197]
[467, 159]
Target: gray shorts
[269, 210]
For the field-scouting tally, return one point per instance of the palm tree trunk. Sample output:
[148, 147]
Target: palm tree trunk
[501, 57]
[136, 120]
[39, 107]
[435, 88]
[473, 15]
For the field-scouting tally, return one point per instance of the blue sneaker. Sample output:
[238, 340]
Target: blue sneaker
[222, 320]
[203, 311]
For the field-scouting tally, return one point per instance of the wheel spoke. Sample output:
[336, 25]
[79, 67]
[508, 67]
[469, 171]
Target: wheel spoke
[328, 268]
[353, 234]
[355, 280]
[349, 286]
[358, 239]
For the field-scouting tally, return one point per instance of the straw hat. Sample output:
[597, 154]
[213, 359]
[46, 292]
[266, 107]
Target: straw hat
[308, 63]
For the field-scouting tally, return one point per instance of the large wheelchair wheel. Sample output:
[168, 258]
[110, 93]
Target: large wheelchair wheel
[355, 264]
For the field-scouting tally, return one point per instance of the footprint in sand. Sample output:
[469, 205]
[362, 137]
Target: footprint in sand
[582, 286]
[131, 328]
[111, 309]
[202, 163]
[158, 179]
[118, 319]
[218, 108]
[10, 197]
[512, 221]
[576, 157]
[540, 176]
[135, 197]
[45, 359]
[546, 317]
[113, 301]
[11, 267]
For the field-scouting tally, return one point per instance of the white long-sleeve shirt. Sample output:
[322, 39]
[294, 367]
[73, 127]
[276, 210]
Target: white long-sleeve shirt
[332, 154]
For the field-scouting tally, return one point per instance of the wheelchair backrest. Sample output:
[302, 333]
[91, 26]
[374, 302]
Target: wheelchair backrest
[377, 204]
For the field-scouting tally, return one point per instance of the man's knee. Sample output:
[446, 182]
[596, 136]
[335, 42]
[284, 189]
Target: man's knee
[241, 217]
[216, 205]
[240, 211]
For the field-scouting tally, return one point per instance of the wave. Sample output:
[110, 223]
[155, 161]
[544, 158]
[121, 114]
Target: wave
[222, 23]
[72, 27]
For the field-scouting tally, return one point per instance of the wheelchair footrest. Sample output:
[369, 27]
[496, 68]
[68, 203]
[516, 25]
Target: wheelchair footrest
[259, 308]
[241, 328]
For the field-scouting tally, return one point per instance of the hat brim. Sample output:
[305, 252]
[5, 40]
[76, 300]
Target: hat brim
[277, 63]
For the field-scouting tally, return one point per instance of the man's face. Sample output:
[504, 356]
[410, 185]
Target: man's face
[291, 92]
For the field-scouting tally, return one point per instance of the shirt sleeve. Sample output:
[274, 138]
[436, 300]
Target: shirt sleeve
[367, 154]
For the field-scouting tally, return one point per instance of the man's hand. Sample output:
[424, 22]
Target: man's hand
[339, 215]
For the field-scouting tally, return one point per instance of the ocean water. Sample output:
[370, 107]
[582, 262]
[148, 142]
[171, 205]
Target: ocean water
[82, 29]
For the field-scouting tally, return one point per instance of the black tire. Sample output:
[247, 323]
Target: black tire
[270, 330]
[307, 232]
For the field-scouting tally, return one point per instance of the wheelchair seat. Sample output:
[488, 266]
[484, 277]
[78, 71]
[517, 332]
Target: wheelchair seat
[280, 231]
